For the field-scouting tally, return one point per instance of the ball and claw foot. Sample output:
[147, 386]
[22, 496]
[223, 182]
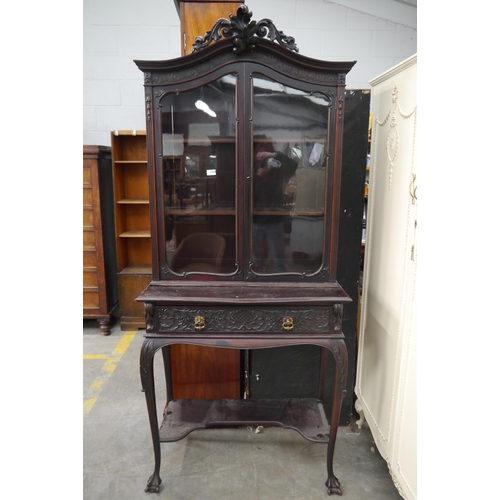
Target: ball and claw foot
[153, 484]
[333, 486]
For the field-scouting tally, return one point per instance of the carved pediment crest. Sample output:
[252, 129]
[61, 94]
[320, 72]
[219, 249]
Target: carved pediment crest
[244, 32]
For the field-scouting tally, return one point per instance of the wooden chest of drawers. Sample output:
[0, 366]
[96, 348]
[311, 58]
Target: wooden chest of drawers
[100, 295]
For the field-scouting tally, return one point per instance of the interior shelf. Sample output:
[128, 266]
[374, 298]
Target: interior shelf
[133, 201]
[135, 234]
[293, 213]
[200, 211]
[128, 162]
[304, 415]
[137, 269]
[212, 211]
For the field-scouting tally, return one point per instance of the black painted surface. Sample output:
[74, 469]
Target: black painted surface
[294, 371]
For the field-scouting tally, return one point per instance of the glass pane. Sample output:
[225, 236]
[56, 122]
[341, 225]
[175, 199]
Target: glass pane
[199, 166]
[289, 178]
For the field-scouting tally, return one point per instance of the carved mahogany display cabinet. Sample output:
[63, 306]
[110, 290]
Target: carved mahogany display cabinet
[244, 139]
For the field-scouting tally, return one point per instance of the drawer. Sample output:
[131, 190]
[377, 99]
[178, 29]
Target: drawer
[90, 279]
[170, 319]
[91, 300]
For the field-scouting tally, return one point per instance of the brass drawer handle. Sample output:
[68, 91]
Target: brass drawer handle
[287, 323]
[199, 322]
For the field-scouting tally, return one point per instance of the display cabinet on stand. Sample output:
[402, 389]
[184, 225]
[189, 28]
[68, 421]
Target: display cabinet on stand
[244, 139]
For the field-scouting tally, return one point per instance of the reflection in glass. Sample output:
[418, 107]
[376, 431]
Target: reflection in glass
[199, 165]
[289, 178]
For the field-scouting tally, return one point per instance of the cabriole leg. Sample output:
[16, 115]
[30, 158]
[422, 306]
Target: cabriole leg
[168, 375]
[148, 387]
[339, 352]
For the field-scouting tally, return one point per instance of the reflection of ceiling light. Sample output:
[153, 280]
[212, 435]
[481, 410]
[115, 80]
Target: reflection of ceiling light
[279, 89]
[204, 107]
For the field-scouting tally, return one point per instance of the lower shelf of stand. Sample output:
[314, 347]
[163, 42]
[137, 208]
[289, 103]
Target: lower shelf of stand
[305, 415]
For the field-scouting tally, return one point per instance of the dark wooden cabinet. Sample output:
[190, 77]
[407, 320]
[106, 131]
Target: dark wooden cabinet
[244, 140]
[217, 373]
[100, 296]
[278, 373]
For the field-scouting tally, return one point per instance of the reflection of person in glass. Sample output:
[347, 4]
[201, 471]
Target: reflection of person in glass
[272, 171]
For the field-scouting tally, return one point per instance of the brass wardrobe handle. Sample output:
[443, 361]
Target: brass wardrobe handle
[199, 322]
[287, 323]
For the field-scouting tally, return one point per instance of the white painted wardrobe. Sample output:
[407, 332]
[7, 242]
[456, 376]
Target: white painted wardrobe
[386, 385]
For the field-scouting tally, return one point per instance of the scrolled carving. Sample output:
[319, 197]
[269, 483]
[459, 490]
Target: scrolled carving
[149, 312]
[223, 319]
[337, 317]
[339, 352]
[148, 349]
[245, 33]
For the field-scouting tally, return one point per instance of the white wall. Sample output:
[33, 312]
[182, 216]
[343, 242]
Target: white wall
[115, 32]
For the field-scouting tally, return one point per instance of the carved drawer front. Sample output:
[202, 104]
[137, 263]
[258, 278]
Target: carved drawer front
[244, 319]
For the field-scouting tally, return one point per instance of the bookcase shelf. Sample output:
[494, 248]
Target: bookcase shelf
[132, 223]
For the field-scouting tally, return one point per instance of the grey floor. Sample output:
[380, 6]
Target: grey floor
[211, 464]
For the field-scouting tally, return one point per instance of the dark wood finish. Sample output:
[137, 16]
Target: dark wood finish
[185, 416]
[253, 303]
[197, 17]
[306, 413]
[100, 296]
[274, 373]
[132, 223]
[355, 150]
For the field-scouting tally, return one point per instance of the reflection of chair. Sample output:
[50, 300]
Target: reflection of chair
[200, 252]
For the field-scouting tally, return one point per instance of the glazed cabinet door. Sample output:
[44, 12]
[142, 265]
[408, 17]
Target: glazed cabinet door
[196, 178]
[245, 177]
[289, 165]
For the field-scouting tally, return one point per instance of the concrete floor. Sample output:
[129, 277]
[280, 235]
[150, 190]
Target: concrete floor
[217, 464]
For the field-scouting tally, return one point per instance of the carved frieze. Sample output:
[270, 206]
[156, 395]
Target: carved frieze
[243, 319]
[224, 58]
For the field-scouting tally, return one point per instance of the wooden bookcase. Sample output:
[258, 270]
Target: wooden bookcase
[100, 296]
[132, 223]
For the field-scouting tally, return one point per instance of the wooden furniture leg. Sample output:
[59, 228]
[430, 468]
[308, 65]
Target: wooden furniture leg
[151, 345]
[148, 350]
[105, 325]
[339, 351]
[168, 372]
[323, 363]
